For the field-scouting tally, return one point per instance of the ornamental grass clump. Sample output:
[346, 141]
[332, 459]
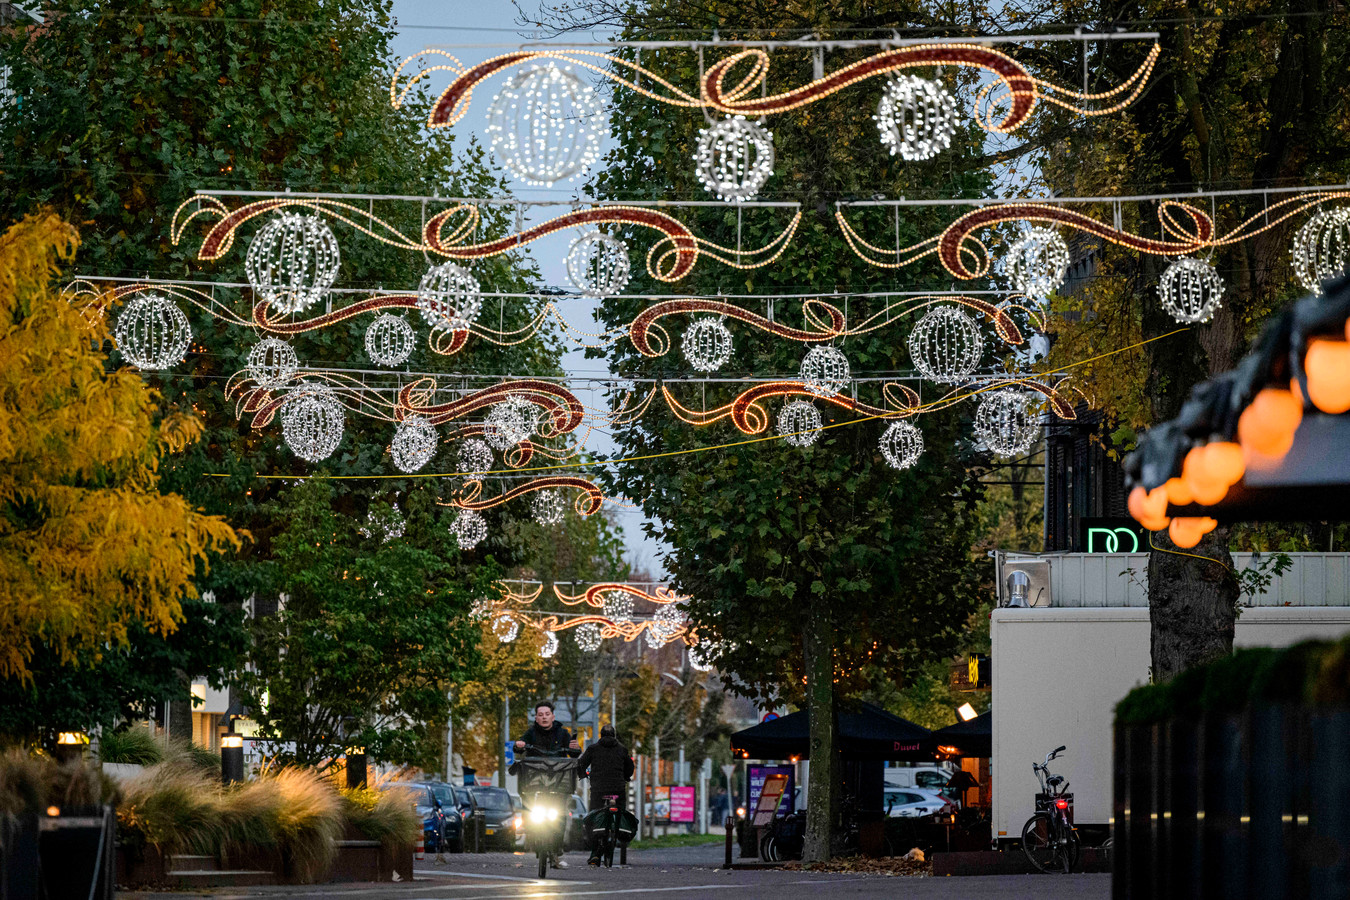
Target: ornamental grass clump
[386, 816]
[308, 821]
[30, 783]
[133, 746]
[173, 807]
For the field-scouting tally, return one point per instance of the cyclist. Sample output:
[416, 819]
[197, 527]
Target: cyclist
[547, 736]
[609, 768]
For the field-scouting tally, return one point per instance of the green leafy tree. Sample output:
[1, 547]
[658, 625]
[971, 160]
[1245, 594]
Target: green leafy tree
[813, 571]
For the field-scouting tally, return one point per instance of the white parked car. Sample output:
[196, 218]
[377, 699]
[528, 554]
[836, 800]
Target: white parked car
[912, 803]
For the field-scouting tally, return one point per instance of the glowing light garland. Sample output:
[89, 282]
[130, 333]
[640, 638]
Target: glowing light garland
[292, 261]
[549, 507]
[449, 297]
[901, 445]
[707, 344]
[469, 529]
[824, 371]
[597, 264]
[945, 345]
[916, 117]
[545, 125]
[734, 158]
[272, 362]
[1321, 248]
[701, 656]
[1037, 263]
[506, 628]
[312, 422]
[414, 443]
[152, 332]
[1190, 290]
[799, 423]
[587, 636]
[389, 340]
[475, 457]
[550, 646]
[1006, 423]
[509, 423]
[618, 606]
[388, 525]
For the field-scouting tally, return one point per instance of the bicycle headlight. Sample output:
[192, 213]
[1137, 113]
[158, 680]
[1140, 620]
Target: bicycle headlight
[537, 814]
[551, 813]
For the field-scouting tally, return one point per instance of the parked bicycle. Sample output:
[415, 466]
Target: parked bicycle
[1049, 839]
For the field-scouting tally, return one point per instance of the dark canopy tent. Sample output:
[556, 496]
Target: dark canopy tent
[866, 732]
[971, 739]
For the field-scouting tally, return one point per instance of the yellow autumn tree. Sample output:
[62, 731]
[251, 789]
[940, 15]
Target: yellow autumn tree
[88, 545]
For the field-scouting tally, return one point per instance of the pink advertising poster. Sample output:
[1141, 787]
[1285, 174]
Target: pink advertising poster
[682, 804]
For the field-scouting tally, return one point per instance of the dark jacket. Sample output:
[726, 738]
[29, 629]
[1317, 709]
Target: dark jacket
[608, 765]
[554, 739]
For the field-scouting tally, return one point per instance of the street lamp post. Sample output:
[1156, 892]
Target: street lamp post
[231, 756]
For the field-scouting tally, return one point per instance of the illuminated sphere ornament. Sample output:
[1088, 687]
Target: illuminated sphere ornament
[1190, 290]
[449, 297]
[549, 506]
[901, 445]
[388, 525]
[475, 457]
[916, 118]
[734, 158]
[707, 344]
[506, 628]
[312, 422]
[152, 332]
[597, 264]
[945, 346]
[799, 423]
[1037, 263]
[664, 626]
[618, 606]
[509, 422]
[292, 262]
[1322, 248]
[545, 125]
[414, 443]
[272, 362]
[587, 636]
[389, 340]
[700, 657]
[469, 529]
[550, 647]
[824, 371]
[1006, 422]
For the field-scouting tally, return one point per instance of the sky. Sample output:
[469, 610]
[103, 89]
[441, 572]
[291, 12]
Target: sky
[473, 32]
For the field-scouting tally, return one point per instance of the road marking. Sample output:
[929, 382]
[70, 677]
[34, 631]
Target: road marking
[635, 890]
[447, 874]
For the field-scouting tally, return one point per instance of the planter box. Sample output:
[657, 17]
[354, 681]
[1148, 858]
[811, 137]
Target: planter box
[122, 771]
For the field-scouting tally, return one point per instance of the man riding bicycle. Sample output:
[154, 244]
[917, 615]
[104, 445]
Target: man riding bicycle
[547, 737]
[609, 768]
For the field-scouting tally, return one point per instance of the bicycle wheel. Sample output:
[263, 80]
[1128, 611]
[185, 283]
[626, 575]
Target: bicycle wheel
[1038, 842]
[1071, 850]
[542, 855]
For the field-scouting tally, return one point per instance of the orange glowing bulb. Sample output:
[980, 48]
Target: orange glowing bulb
[1268, 423]
[1225, 461]
[1328, 366]
[1148, 507]
[1178, 492]
[1206, 487]
[1185, 531]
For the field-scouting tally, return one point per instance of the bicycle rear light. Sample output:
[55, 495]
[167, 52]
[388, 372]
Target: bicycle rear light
[1062, 804]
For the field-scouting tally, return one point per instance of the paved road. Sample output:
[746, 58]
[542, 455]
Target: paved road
[674, 873]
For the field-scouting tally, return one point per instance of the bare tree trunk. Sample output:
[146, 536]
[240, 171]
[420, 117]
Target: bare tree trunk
[1192, 603]
[823, 794]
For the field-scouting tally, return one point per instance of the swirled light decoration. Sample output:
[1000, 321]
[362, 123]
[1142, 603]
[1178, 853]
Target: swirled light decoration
[475, 457]
[707, 344]
[549, 507]
[549, 649]
[388, 525]
[799, 423]
[469, 529]
[506, 628]
[824, 371]
[1037, 262]
[414, 443]
[292, 261]
[945, 346]
[700, 657]
[449, 297]
[389, 340]
[312, 422]
[1322, 248]
[1006, 422]
[587, 636]
[597, 264]
[618, 606]
[587, 503]
[734, 158]
[152, 332]
[901, 445]
[1190, 290]
[916, 117]
[272, 362]
[509, 422]
[545, 125]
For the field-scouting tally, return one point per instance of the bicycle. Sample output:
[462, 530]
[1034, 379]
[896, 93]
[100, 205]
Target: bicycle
[1048, 838]
[551, 779]
[606, 829]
